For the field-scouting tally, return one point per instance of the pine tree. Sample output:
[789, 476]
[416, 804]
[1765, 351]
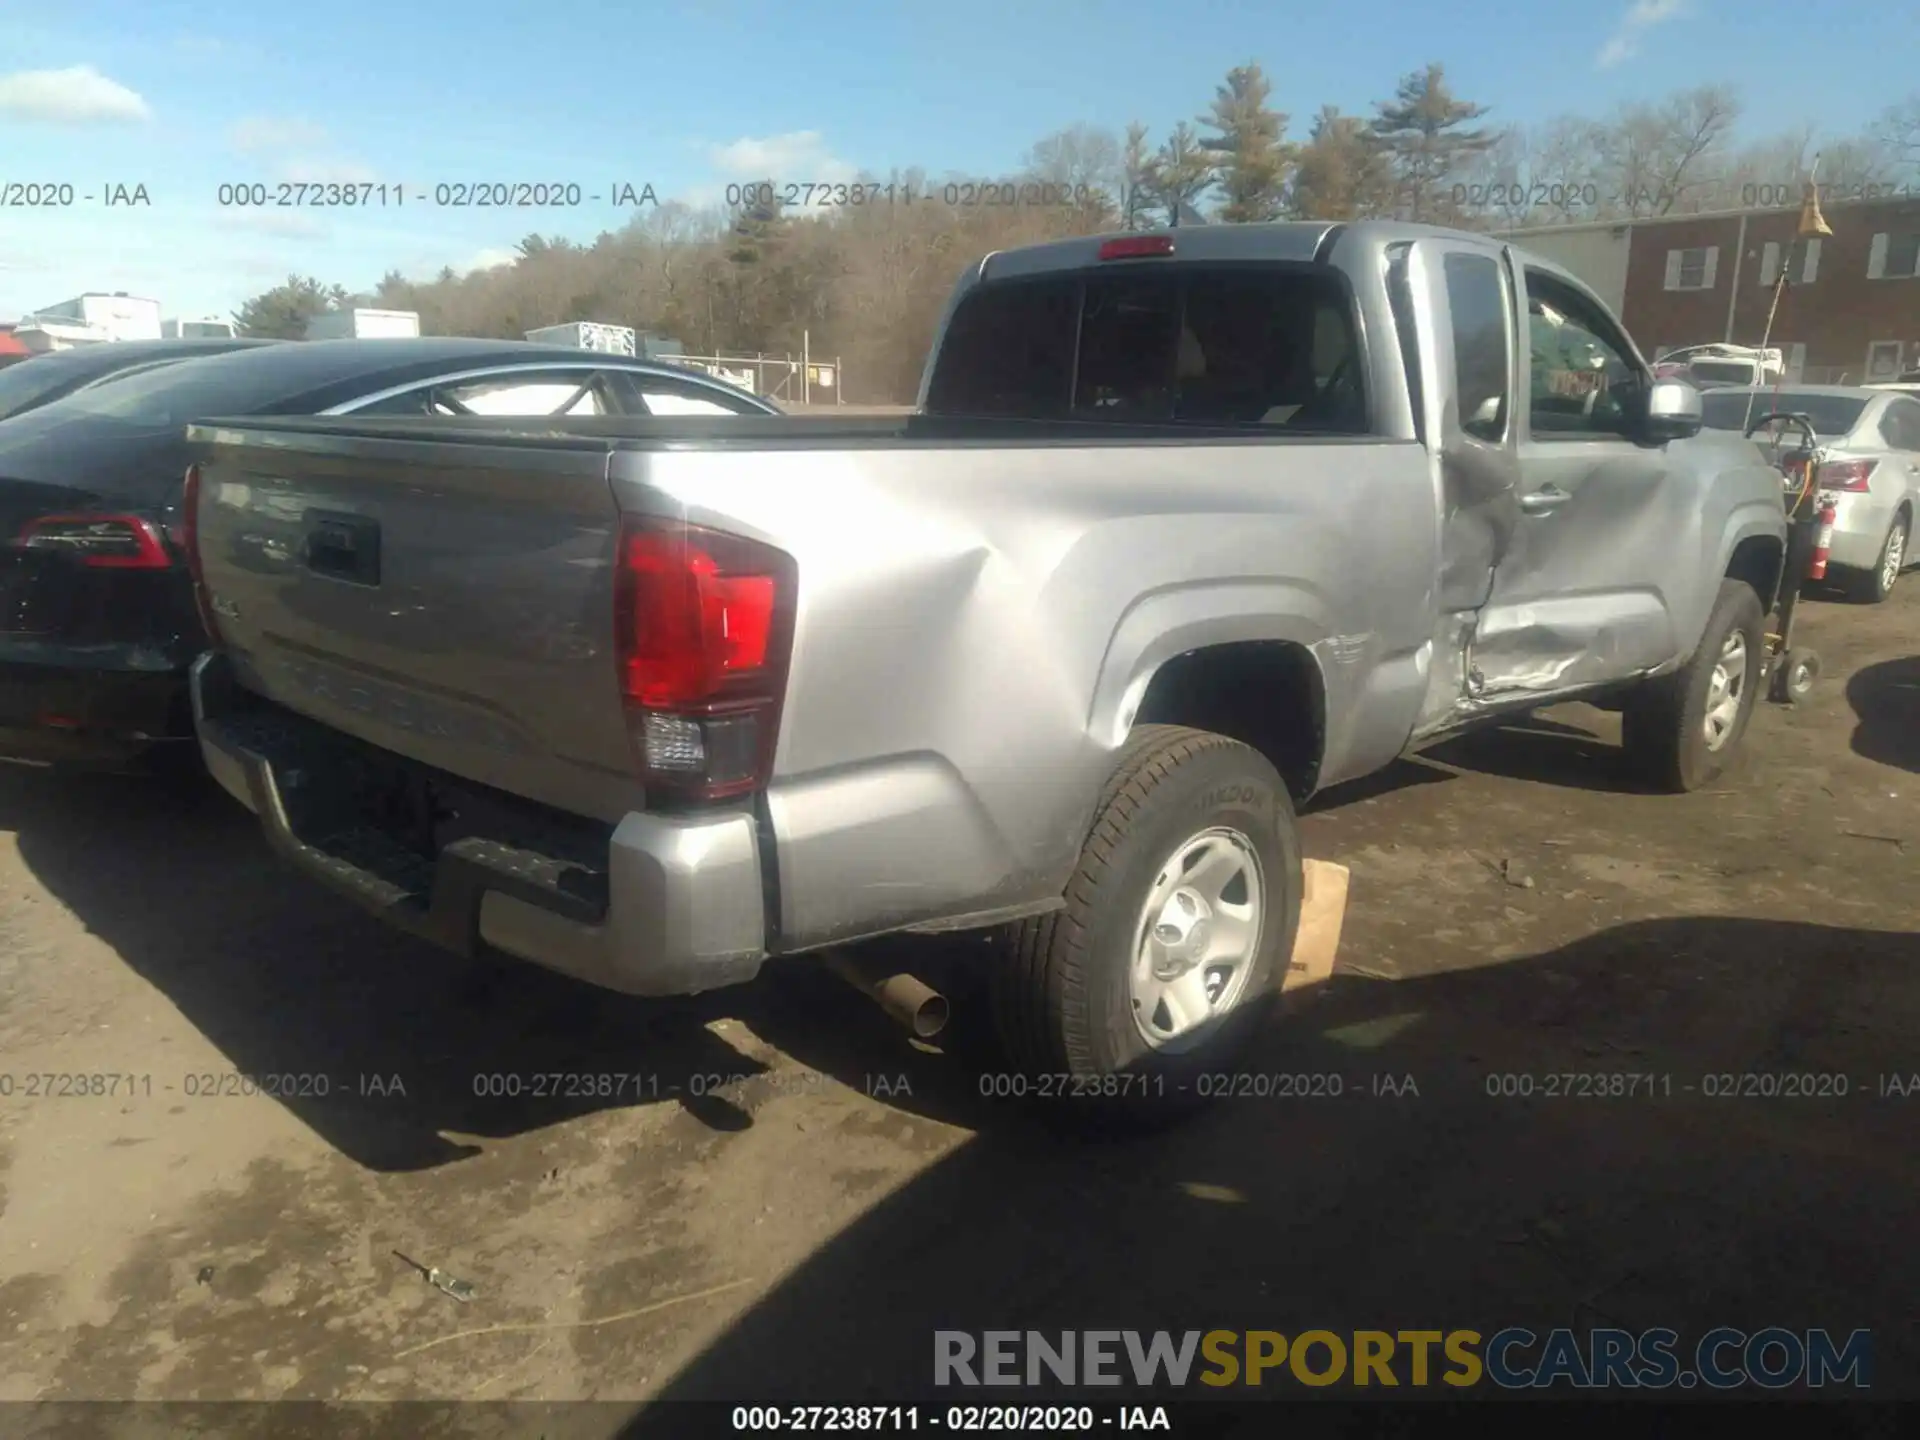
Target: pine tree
[1421, 128]
[1343, 171]
[1180, 172]
[1253, 170]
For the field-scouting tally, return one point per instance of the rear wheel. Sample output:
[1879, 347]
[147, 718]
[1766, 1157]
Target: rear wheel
[1873, 586]
[1177, 926]
[1682, 730]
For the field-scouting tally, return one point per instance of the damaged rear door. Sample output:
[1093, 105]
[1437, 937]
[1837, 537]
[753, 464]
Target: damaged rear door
[1607, 535]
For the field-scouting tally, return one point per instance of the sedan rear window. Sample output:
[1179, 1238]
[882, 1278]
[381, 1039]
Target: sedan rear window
[1272, 346]
[1723, 372]
[29, 381]
[1832, 415]
[236, 383]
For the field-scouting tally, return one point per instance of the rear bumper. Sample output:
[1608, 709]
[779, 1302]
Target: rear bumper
[1860, 525]
[675, 906]
[89, 715]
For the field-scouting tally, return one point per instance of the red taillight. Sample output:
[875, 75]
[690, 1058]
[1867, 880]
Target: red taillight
[190, 543]
[100, 542]
[1846, 474]
[1136, 247]
[705, 627]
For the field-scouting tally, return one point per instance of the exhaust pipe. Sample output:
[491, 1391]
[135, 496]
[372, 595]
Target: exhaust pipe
[912, 1004]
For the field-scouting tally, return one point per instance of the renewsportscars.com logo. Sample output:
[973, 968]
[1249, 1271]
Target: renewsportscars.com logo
[1513, 1359]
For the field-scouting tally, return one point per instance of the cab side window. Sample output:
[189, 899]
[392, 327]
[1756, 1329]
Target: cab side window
[1476, 301]
[1583, 381]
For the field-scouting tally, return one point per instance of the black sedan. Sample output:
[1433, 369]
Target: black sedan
[97, 620]
[42, 379]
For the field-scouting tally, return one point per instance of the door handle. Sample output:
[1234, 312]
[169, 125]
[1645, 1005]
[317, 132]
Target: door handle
[1543, 501]
[343, 547]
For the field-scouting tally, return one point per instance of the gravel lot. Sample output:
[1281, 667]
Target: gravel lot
[799, 1231]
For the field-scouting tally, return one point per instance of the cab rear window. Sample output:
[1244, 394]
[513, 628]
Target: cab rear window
[1269, 346]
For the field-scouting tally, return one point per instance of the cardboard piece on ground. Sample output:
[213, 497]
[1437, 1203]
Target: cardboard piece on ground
[1323, 910]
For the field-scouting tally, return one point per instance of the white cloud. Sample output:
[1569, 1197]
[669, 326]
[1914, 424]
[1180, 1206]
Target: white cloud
[1641, 16]
[299, 150]
[78, 95]
[491, 258]
[265, 132]
[798, 157]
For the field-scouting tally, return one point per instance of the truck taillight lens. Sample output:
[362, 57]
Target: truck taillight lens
[190, 543]
[1136, 247]
[100, 542]
[704, 622]
[1849, 475]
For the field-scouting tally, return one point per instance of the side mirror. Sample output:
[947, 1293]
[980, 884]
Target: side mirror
[1673, 412]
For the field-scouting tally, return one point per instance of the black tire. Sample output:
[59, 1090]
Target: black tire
[1663, 727]
[1798, 672]
[1060, 987]
[1872, 587]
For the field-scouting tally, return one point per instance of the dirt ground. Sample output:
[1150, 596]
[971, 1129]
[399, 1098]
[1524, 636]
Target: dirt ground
[800, 1230]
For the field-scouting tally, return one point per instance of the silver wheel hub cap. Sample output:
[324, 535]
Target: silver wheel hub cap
[1896, 557]
[1726, 690]
[1197, 939]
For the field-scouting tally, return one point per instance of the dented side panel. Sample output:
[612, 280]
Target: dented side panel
[978, 624]
[1592, 590]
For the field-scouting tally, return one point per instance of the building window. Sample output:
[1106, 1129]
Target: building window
[1692, 269]
[1883, 361]
[1803, 258]
[1894, 257]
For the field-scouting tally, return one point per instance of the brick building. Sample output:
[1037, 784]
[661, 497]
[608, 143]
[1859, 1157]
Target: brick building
[1850, 312]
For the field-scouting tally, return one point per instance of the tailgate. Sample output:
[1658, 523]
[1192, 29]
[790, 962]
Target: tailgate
[447, 599]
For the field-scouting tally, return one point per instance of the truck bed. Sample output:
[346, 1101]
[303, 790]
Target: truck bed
[960, 582]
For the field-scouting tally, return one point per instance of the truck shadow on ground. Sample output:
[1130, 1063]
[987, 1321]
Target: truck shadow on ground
[1576, 747]
[287, 980]
[1467, 1204]
[1886, 703]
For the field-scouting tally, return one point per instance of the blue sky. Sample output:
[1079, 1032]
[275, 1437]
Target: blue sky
[690, 94]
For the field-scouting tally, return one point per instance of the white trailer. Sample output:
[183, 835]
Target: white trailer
[92, 318]
[209, 328]
[587, 335]
[364, 325]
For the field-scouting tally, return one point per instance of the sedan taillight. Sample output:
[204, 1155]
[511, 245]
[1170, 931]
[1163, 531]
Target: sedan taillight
[1848, 475]
[99, 541]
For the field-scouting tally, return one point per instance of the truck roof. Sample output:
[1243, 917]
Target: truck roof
[1296, 241]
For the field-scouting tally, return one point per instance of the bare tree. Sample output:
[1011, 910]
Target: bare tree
[1136, 177]
[1897, 132]
[1079, 159]
[1496, 188]
[1661, 159]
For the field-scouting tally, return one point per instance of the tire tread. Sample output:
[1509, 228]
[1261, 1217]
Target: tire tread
[1043, 1026]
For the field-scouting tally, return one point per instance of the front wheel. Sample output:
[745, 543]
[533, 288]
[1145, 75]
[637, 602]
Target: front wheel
[1178, 924]
[1682, 730]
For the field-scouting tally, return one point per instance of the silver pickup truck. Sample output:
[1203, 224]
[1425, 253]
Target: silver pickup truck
[1187, 527]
